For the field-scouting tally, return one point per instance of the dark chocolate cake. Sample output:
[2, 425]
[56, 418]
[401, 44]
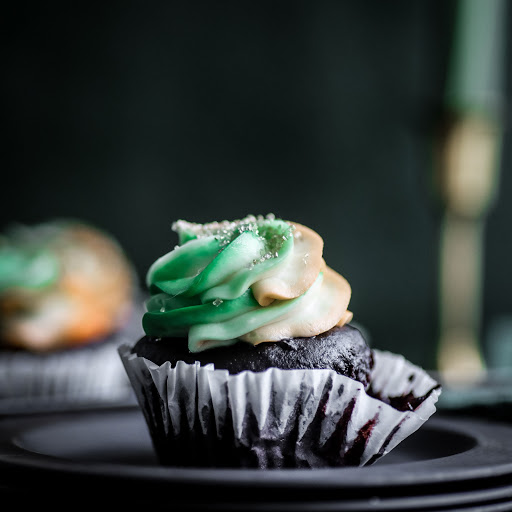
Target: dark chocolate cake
[342, 349]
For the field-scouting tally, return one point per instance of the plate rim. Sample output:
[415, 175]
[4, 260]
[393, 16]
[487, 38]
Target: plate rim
[464, 467]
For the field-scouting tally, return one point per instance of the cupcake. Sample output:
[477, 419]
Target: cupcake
[67, 300]
[250, 357]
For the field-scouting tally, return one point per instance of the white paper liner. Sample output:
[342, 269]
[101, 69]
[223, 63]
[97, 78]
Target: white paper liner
[86, 374]
[278, 418]
[91, 372]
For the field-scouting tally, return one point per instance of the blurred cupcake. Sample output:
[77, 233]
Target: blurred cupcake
[249, 358]
[67, 293]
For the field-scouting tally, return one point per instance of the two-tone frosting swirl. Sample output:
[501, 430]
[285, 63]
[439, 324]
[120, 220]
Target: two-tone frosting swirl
[63, 283]
[256, 279]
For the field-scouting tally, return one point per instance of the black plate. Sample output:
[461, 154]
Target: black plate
[450, 462]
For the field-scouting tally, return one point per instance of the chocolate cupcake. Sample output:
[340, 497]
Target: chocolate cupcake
[249, 358]
[341, 349]
[67, 300]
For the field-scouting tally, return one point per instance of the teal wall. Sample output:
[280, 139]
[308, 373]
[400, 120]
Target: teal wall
[132, 115]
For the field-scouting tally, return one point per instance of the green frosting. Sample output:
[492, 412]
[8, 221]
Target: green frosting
[202, 288]
[25, 262]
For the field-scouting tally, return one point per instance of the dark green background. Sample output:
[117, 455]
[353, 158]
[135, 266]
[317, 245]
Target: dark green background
[133, 114]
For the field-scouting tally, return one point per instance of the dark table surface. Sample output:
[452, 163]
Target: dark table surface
[461, 459]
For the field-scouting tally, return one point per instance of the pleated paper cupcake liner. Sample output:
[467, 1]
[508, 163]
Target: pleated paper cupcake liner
[92, 373]
[86, 372]
[201, 416]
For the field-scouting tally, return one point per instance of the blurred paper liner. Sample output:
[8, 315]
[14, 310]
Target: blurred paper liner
[87, 373]
[67, 378]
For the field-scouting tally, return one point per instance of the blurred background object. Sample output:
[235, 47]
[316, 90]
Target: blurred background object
[468, 170]
[134, 115]
[68, 298]
[63, 284]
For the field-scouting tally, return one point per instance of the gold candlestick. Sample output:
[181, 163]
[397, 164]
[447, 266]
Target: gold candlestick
[468, 165]
[468, 184]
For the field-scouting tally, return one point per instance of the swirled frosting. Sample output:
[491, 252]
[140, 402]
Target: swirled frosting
[257, 279]
[62, 283]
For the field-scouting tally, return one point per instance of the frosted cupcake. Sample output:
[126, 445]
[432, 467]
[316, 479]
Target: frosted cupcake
[249, 358]
[67, 293]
